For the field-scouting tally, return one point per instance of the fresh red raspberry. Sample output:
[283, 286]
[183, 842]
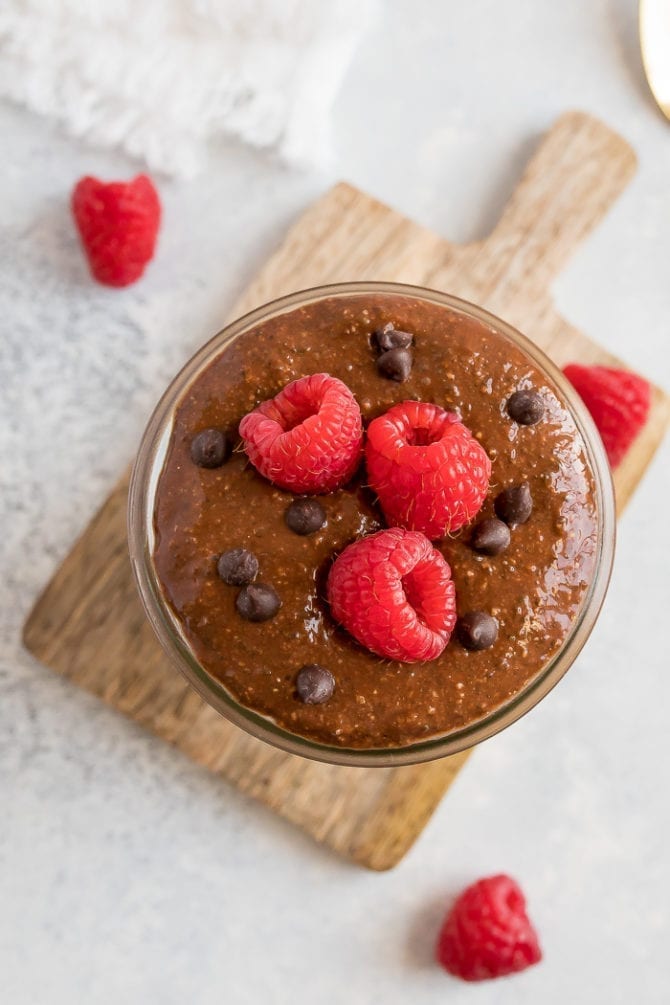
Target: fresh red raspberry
[393, 592]
[487, 932]
[118, 223]
[309, 438]
[428, 470]
[618, 401]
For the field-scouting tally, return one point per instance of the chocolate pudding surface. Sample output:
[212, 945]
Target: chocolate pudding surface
[535, 588]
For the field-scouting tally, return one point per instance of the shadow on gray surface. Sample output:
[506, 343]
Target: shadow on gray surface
[423, 932]
[624, 25]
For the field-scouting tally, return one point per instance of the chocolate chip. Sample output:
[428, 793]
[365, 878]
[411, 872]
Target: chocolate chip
[396, 364]
[209, 448]
[525, 407]
[257, 602]
[305, 516]
[388, 338]
[515, 504]
[490, 537]
[237, 567]
[477, 630]
[314, 684]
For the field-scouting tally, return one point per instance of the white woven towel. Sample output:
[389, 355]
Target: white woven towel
[163, 78]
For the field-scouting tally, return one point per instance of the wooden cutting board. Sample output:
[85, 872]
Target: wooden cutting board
[88, 624]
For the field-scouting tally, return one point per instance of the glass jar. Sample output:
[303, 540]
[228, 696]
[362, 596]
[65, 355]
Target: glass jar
[143, 485]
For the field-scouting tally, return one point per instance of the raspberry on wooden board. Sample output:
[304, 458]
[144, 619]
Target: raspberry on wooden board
[618, 401]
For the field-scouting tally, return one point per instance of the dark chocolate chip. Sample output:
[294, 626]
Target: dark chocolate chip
[477, 630]
[209, 448]
[525, 407]
[305, 516]
[237, 567]
[515, 504]
[314, 684]
[396, 364]
[257, 602]
[388, 338]
[490, 537]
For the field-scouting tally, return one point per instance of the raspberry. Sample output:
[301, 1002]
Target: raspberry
[429, 472]
[309, 438]
[393, 592]
[118, 223]
[487, 932]
[618, 401]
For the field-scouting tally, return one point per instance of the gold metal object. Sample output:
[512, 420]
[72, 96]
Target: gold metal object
[655, 45]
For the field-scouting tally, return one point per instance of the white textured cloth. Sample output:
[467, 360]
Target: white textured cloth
[161, 79]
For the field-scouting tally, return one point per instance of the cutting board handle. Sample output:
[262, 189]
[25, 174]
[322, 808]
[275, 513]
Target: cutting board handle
[577, 172]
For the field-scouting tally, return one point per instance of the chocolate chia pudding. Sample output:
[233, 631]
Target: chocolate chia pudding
[231, 548]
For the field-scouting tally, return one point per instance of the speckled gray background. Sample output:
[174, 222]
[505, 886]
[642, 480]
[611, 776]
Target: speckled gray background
[127, 874]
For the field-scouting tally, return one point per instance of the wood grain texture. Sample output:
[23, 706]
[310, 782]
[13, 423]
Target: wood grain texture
[88, 624]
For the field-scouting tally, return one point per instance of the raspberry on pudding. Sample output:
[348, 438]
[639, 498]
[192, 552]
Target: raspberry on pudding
[376, 521]
[393, 592]
[308, 438]
[427, 469]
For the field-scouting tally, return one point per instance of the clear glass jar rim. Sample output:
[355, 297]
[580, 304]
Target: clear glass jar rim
[144, 477]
